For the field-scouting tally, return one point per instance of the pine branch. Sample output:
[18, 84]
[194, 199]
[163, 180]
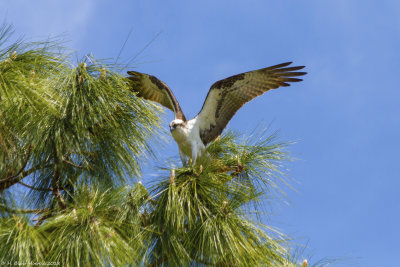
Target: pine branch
[40, 166]
[56, 181]
[36, 188]
[13, 179]
[2, 142]
[72, 164]
[25, 211]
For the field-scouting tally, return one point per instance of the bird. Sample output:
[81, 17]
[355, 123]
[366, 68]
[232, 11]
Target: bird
[223, 100]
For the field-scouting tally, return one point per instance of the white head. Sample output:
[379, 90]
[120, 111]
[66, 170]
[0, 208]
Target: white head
[175, 123]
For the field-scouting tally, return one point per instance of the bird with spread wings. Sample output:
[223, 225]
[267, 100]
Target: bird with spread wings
[223, 100]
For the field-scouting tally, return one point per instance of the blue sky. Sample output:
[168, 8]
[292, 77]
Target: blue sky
[345, 115]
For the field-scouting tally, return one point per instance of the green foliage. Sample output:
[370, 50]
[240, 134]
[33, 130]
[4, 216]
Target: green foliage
[20, 241]
[72, 136]
[195, 215]
[91, 233]
[201, 213]
[63, 125]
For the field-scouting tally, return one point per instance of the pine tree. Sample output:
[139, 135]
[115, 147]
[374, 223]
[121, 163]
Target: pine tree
[72, 141]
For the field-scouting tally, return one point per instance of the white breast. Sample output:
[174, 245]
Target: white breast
[188, 139]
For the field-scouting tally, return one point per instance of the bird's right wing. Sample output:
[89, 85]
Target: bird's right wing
[151, 88]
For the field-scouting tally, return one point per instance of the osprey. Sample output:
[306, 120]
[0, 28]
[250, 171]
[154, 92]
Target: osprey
[223, 100]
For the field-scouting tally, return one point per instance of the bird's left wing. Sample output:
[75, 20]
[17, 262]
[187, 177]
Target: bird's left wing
[227, 96]
[150, 87]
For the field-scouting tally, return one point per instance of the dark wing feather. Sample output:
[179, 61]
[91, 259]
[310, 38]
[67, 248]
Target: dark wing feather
[227, 96]
[151, 88]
